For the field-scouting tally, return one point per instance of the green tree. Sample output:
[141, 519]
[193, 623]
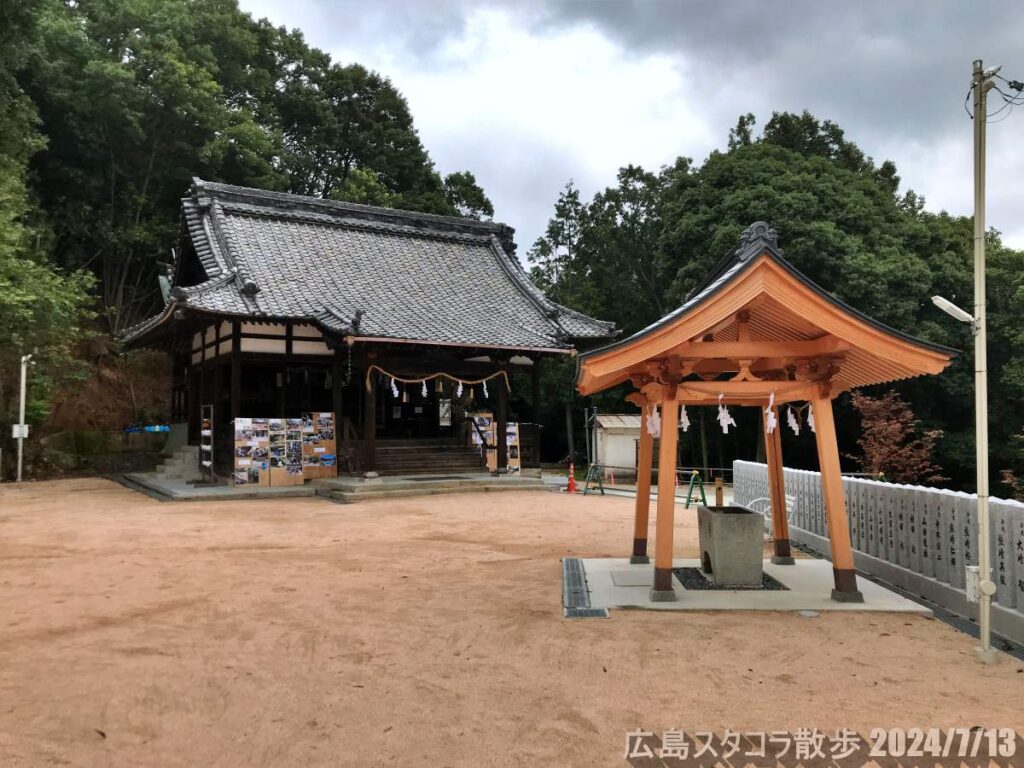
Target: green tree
[843, 221]
[466, 197]
[553, 255]
[42, 310]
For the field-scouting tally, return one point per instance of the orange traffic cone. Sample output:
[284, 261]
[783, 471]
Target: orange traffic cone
[572, 479]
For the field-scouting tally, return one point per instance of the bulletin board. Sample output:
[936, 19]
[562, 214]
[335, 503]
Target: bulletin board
[485, 420]
[280, 452]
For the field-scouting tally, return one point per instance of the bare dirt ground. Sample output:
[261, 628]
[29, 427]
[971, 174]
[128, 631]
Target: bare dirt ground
[412, 632]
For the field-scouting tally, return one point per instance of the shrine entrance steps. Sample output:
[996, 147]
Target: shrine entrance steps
[441, 456]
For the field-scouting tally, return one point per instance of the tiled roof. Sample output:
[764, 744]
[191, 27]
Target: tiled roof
[405, 275]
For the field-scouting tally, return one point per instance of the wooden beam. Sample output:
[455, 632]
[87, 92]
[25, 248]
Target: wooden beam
[734, 350]
[663, 543]
[782, 554]
[801, 390]
[835, 503]
[642, 508]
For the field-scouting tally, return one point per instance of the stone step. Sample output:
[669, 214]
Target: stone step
[405, 490]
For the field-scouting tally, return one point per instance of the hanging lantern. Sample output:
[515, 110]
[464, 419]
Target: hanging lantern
[405, 395]
[440, 385]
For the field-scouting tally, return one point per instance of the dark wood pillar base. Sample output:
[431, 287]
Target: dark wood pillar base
[783, 554]
[663, 592]
[846, 586]
[639, 552]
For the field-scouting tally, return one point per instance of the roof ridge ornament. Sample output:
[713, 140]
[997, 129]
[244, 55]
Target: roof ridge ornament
[759, 231]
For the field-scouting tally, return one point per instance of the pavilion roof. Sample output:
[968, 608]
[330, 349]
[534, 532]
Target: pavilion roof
[767, 328]
[362, 271]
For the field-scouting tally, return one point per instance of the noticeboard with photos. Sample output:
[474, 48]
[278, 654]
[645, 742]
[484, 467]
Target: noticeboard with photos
[485, 421]
[279, 452]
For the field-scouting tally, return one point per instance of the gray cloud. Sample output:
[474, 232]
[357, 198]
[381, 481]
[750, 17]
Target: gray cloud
[893, 75]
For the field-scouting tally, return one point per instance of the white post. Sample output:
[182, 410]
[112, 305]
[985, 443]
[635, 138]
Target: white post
[21, 412]
[985, 652]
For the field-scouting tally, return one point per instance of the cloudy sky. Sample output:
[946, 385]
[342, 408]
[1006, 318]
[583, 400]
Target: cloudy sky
[529, 95]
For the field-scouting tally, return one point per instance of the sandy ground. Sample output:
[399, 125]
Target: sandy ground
[412, 632]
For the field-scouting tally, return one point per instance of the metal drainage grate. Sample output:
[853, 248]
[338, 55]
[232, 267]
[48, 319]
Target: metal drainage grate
[575, 595]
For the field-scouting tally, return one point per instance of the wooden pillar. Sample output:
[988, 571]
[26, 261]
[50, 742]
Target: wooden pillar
[370, 426]
[236, 370]
[643, 490]
[782, 554]
[535, 390]
[501, 427]
[835, 503]
[663, 591]
[337, 377]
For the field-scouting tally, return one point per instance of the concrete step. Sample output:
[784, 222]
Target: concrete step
[405, 490]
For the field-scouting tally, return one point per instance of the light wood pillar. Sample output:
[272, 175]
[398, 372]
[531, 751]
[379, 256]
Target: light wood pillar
[663, 591]
[835, 504]
[782, 554]
[643, 490]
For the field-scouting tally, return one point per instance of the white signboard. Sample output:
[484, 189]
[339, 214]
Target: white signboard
[19, 430]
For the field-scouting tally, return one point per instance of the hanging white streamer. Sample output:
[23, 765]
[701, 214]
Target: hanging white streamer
[791, 420]
[654, 422]
[724, 418]
[424, 390]
[394, 388]
[485, 389]
[684, 420]
[771, 421]
[458, 392]
[810, 420]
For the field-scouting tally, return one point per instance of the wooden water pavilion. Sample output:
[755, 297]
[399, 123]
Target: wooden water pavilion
[755, 332]
[277, 304]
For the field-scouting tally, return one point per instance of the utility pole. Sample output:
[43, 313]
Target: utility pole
[21, 428]
[982, 82]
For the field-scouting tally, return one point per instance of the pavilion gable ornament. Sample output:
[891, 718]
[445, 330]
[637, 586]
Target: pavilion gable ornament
[758, 232]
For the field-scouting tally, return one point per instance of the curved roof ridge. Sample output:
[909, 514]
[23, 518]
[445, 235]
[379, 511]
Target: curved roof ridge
[202, 188]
